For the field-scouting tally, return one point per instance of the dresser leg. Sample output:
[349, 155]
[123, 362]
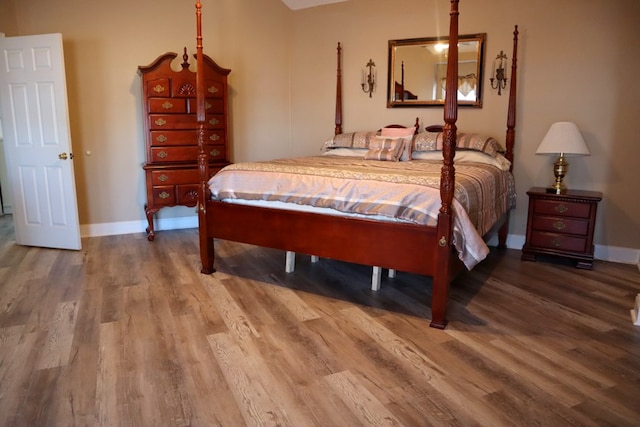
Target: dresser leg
[585, 265]
[150, 212]
[526, 256]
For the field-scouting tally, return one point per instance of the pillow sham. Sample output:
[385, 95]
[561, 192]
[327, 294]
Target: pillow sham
[430, 141]
[387, 149]
[350, 140]
[406, 134]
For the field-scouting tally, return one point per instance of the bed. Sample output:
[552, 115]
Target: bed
[424, 243]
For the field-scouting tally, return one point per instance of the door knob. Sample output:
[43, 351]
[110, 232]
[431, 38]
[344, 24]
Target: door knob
[63, 156]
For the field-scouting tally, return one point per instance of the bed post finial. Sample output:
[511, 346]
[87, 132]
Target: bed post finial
[338, 129]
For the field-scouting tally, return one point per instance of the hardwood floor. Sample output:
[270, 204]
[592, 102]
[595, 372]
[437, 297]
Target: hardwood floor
[127, 332]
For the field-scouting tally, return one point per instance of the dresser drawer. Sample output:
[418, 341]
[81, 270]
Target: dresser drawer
[184, 176]
[158, 87]
[562, 208]
[186, 153]
[559, 242]
[187, 194]
[167, 105]
[185, 137]
[164, 195]
[561, 225]
[184, 121]
[210, 105]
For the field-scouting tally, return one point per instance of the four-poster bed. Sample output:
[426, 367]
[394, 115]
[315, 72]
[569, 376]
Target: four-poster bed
[426, 249]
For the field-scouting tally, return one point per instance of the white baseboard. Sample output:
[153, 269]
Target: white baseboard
[514, 241]
[601, 252]
[129, 227]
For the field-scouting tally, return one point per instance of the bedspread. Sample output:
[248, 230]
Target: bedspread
[403, 191]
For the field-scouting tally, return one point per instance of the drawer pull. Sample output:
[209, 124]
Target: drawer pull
[214, 137]
[556, 242]
[213, 89]
[215, 153]
[207, 105]
[163, 177]
[162, 154]
[561, 208]
[167, 105]
[164, 195]
[161, 138]
[160, 122]
[158, 88]
[214, 122]
[559, 225]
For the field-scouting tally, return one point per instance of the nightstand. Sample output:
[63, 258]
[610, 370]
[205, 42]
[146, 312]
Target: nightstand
[562, 225]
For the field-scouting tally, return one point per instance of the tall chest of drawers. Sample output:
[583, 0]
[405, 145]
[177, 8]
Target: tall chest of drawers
[170, 129]
[561, 224]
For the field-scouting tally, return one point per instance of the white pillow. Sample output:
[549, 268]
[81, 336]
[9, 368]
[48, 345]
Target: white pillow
[466, 156]
[346, 152]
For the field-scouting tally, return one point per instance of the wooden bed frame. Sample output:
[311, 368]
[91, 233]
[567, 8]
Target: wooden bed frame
[425, 250]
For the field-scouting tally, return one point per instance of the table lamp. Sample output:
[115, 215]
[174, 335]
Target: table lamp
[563, 138]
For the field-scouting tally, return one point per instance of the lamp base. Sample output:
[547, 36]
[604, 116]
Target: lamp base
[554, 190]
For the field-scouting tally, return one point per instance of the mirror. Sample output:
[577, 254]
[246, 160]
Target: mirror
[418, 71]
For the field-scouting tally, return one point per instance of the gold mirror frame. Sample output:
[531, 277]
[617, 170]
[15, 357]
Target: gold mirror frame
[417, 71]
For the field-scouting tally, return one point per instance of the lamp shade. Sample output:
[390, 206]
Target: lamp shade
[563, 138]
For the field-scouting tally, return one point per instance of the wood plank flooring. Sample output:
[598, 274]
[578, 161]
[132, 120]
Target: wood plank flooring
[127, 332]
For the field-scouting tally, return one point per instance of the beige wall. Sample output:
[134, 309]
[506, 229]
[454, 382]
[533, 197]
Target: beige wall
[576, 63]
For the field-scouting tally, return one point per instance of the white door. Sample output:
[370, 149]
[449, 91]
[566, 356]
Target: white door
[37, 142]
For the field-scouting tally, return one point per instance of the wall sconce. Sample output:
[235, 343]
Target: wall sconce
[499, 74]
[562, 138]
[369, 78]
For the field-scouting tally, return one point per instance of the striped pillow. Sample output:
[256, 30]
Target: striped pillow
[388, 149]
[431, 141]
[350, 140]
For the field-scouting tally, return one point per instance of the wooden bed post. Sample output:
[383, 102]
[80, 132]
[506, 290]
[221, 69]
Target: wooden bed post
[338, 129]
[206, 242]
[511, 133]
[441, 280]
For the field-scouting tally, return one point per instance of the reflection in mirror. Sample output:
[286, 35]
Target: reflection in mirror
[418, 71]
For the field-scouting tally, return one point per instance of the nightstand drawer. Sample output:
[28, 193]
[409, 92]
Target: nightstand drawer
[562, 208]
[559, 242]
[561, 225]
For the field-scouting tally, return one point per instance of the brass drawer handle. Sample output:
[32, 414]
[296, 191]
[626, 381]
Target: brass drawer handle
[160, 122]
[215, 153]
[164, 195]
[163, 178]
[214, 137]
[207, 105]
[158, 88]
[561, 208]
[162, 154]
[214, 122]
[161, 138]
[556, 242]
[167, 105]
[559, 225]
[212, 89]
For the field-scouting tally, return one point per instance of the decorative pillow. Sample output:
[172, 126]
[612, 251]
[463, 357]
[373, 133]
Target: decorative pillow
[350, 140]
[406, 134]
[382, 148]
[474, 141]
[426, 141]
